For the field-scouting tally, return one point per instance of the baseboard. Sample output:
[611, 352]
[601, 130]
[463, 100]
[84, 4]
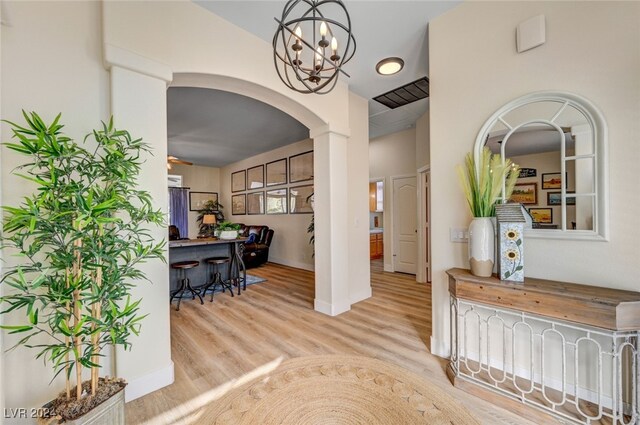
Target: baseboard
[290, 263]
[360, 295]
[439, 348]
[149, 383]
[331, 309]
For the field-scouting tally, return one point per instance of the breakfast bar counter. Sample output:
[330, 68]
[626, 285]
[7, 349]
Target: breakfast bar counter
[200, 250]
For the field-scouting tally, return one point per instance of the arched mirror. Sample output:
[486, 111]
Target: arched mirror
[559, 142]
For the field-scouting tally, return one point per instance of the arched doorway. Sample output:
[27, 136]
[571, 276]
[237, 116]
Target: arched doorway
[138, 98]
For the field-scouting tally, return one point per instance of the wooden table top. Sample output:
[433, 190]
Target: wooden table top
[608, 308]
[203, 241]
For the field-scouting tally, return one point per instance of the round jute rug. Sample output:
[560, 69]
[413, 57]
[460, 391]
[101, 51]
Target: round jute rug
[332, 390]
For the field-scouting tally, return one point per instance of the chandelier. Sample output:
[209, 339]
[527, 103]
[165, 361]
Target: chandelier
[312, 42]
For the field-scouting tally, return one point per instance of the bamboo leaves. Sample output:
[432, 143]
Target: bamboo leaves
[81, 236]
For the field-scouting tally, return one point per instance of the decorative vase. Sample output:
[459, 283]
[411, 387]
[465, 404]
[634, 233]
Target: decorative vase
[482, 246]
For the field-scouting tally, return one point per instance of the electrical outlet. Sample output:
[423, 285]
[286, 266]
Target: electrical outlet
[460, 235]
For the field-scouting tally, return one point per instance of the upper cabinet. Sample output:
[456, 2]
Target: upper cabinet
[376, 196]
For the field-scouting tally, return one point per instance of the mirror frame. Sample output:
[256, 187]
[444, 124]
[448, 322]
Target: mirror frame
[598, 125]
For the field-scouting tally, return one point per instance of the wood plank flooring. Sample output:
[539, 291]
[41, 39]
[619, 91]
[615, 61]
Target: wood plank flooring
[216, 344]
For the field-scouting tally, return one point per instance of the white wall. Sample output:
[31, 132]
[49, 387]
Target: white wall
[422, 141]
[290, 245]
[592, 49]
[391, 155]
[51, 63]
[199, 179]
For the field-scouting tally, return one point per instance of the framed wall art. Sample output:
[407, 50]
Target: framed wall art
[255, 203]
[542, 215]
[301, 167]
[239, 181]
[197, 200]
[555, 198]
[239, 204]
[276, 201]
[300, 198]
[553, 180]
[255, 177]
[277, 172]
[525, 193]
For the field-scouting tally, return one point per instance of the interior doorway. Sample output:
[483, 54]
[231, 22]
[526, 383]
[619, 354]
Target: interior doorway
[424, 228]
[405, 224]
[376, 219]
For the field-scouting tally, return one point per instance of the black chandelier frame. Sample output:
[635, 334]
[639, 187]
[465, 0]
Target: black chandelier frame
[313, 79]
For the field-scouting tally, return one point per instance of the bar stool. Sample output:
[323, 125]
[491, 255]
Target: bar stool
[213, 271]
[185, 284]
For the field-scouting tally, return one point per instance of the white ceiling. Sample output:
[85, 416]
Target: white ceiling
[381, 29]
[216, 128]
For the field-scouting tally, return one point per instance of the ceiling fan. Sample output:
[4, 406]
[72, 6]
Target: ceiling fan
[175, 160]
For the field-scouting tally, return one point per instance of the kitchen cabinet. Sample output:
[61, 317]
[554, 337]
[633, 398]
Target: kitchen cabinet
[376, 193]
[376, 246]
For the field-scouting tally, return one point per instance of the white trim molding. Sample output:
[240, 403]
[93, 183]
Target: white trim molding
[360, 295]
[331, 309]
[117, 56]
[149, 383]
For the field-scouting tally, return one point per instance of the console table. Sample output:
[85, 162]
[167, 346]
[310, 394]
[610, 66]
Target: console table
[571, 351]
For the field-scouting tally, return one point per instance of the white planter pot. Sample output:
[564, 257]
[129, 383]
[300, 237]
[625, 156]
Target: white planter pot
[482, 241]
[108, 412]
[228, 234]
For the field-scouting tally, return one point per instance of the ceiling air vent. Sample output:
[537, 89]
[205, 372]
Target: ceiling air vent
[406, 94]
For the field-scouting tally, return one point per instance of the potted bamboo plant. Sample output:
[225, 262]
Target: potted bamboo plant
[482, 185]
[79, 239]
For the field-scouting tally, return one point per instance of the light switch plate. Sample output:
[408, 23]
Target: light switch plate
[530, 33]
[460, 235]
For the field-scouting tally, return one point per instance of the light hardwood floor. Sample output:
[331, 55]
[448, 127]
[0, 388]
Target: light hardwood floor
[215, 344]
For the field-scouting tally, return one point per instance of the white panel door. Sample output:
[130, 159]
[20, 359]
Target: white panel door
[405, 225]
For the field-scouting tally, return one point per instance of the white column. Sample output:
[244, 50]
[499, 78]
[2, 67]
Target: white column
[331, 221]
[139, 105]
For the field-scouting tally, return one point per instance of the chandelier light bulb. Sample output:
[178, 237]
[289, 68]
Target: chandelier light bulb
[298, 32]
[334, 49]
[318, 56]
[323, 29]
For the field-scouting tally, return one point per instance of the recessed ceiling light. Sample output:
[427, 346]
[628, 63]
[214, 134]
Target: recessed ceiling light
[389, 66]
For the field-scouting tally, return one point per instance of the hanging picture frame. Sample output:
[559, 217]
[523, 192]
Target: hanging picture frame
[542, 215]
[239, 181]
[255, 203]
[255, 177]
[197, 200]
[525, 193]
[301, 167]
[276, 201]
[277, 172]
[239, 204]
[300, 199]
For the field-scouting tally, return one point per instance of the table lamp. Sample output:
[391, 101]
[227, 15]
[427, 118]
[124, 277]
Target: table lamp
[209, 220]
